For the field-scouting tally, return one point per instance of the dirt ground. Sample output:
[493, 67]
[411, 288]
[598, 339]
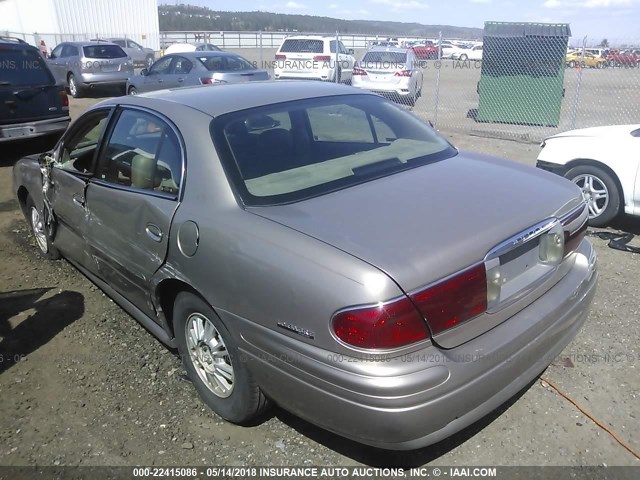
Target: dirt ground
[82, 383]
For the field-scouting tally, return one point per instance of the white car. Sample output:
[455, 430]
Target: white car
[393, 72]
[604, 162]
[449, 50]
[313, 57]
[464, 54]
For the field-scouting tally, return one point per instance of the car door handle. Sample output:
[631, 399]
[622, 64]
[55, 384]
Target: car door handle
[160, 80]
[153, 232]
[181, 80]
[79, 200]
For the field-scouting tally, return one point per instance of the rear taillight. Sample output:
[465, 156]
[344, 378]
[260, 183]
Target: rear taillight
[358, 71]
[384, 326]
[322, 58]
[454, 300]
[281, 57]
[573, 239]
[64, 98]
[402, 73]
[206, 81]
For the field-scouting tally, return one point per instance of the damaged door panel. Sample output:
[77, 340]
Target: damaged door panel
[64, 184]
[136, 187]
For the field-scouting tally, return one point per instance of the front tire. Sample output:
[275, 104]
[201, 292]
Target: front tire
[600, 191]
[132, 91]
[36, 221]
[213, 361]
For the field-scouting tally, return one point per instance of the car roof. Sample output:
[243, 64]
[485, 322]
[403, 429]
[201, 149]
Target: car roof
[220, 99]
[12, 40]
[205, 53]
[378, 48]
[310, 37]
[88, 43]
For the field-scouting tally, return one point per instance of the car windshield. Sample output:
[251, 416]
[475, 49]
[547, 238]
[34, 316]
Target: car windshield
[295, 150]
[225, 63]
[103, 51]
[302, 46]
[23, 66]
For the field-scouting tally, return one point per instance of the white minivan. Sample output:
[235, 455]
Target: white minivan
[313, 57]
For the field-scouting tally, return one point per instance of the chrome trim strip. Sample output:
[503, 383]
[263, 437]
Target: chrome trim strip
[521, 238]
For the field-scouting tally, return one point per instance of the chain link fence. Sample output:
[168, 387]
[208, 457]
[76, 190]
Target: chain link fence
[523, 88]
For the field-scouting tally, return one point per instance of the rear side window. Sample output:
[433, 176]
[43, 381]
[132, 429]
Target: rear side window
[225, 63]
[23, 67]
[103, 51]
[302, 46]
[144, 153]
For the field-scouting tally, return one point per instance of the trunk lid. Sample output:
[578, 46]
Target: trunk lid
[425, 224]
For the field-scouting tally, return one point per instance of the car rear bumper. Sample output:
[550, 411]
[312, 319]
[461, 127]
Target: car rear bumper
[417, 399]
[111, 78]
[323, 74]
[18, 131]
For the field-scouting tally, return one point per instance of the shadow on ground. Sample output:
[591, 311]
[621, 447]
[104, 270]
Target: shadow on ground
[51, 315]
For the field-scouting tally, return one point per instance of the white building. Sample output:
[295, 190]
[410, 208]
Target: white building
[55, 21]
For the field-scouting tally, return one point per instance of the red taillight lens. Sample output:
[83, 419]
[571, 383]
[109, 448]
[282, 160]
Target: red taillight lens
[402, 73]
[572, 240]
[64, 98]
[206, 81]
[390, 325]
[358, 71]
[281, 57]
[454, 300]
[322, 58]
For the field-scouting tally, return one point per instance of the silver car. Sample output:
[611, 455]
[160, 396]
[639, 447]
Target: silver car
[394, 72]
[141, 56]
[195, 68]
[84, 65]
[319, 247]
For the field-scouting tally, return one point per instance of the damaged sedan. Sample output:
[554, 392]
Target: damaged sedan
[318, 247]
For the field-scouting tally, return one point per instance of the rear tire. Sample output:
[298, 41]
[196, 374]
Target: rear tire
[74, 89]
[35, 218]
[132, 91]
[214, 363]
[463, 57]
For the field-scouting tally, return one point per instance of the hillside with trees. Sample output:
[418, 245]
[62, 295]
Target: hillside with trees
[190, 17]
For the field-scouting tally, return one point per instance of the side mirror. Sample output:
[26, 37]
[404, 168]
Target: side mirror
[144, 72]
[46, 160]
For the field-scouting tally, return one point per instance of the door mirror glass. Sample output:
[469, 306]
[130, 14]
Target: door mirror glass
[144, 72]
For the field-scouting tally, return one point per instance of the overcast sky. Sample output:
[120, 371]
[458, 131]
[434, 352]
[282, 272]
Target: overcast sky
[617, 20]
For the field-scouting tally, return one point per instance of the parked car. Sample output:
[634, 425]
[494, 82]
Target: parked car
[626, 59]
[448, 50]
[471, 53]
[394, 72]
[195, 68]
[315, 246]
[425, 51]
[604, 162]
[313, 57]
[85, 65]
[587, 60]
[31, 103]
[141, 56]
[188, 47]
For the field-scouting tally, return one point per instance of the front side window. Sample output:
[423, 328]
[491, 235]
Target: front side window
[143, 152]
[287, 152]
[162, 66]
[81, 143]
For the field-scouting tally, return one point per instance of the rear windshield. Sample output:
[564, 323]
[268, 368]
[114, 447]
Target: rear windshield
[290, 151]
[302, 46]
[225, 63]
[384, 58]
[23, 66]
[103, 51]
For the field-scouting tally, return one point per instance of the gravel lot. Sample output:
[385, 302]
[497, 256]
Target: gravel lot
[84, 384]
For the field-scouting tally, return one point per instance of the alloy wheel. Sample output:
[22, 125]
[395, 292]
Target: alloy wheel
[595, 193]
[38, 230]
